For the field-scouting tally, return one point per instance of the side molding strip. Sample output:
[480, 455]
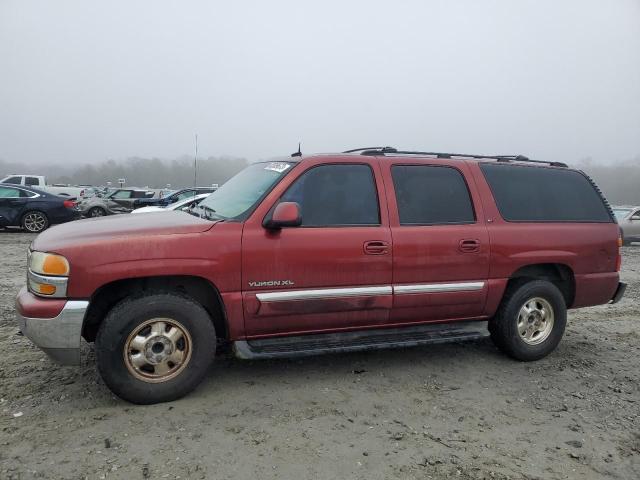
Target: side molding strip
[324, 293]
[438, 287]
[321, 293]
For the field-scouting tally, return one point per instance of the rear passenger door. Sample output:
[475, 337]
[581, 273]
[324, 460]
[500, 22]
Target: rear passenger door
[440, 242]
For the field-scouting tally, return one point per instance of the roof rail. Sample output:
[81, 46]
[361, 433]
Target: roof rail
[372, 150]
[500, 158]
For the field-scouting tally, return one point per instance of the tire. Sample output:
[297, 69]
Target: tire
[130, 373]
[34, 221]
[525, 304]
[96, 212]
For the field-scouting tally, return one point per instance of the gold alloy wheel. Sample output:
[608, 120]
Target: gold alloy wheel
[535, 321]
[157, 350]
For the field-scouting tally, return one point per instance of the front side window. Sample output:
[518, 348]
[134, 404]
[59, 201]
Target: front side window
[13, 180]
[336, 195]
[431, 195]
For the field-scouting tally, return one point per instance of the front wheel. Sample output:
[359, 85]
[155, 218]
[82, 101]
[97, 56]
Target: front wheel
[35, 221]
[530, 321]
[155, 348]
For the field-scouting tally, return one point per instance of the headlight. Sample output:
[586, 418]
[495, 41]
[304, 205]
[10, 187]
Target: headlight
[48, 264]
[47, 274]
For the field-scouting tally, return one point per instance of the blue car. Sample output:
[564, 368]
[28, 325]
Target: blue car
[32, 209]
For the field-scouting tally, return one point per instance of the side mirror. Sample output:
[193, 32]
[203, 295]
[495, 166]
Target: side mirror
[286, 214]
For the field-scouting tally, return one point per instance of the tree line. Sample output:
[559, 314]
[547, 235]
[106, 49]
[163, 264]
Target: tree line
[620, 182]
[138, 172]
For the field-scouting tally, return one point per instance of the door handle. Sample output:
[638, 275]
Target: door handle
[469, 245]
[376, 247]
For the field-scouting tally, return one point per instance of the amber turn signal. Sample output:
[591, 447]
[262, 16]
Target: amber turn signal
[48, 264]
[46, 289]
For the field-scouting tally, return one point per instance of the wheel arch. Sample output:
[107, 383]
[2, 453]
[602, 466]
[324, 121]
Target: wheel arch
[560, 274]
[197, 288]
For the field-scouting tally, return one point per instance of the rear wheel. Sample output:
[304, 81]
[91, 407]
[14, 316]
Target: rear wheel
[530, 321]
[97, 212]
[34, 221]
[155, 348]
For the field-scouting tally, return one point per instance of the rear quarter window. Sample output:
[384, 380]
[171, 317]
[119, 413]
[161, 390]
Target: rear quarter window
[539, 194]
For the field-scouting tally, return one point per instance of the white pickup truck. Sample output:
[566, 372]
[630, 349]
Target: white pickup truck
[39, 182]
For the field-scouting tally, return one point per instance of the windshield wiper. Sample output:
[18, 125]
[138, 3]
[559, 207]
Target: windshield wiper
[210, 213]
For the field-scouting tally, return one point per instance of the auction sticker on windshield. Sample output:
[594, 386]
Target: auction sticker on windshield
[277, 166]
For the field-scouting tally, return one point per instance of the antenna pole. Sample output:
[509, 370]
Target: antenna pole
[195, 166]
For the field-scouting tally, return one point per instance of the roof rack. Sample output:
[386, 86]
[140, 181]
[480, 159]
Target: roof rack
[500, 158]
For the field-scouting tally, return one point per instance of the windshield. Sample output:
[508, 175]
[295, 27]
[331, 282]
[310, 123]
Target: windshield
[620, 213]
[236, 197]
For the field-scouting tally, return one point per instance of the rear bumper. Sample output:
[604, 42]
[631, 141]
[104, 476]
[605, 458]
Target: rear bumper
[58, 336]
[619, 292]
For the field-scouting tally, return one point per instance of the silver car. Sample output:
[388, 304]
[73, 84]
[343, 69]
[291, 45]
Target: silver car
[121, 200]
[629, 221]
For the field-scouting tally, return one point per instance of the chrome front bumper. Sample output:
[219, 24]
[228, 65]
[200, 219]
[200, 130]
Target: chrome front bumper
[58, 337]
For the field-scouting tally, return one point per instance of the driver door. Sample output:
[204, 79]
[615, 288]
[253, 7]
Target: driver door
[333, 272]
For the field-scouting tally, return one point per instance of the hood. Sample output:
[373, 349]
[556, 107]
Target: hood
[125, 225]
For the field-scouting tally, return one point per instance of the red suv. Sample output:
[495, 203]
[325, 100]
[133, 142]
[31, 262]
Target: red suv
[371, 248]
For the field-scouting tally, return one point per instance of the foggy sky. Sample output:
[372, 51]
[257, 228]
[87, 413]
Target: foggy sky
[85, 81]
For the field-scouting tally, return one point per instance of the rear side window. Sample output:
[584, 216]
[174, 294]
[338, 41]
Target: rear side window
[431, 195]
[122, 194]
[537, 194]
[336, 195]
[6, 192]
[31, 181]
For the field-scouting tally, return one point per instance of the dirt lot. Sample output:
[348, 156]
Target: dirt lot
[457, 410]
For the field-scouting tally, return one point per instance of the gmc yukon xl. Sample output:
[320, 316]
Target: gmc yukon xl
[372, 248]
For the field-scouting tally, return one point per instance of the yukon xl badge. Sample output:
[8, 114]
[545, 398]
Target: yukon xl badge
[272, 283]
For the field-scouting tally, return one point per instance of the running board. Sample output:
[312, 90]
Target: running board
[318, 344]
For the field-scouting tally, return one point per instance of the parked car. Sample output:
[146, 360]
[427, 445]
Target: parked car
[39, 182]
[120, 200]
[629, 221]
[32, 209]
[330, 253]
[172, 197]
[180, 205]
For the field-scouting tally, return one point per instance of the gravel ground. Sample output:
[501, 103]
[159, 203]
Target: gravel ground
[456, 410]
